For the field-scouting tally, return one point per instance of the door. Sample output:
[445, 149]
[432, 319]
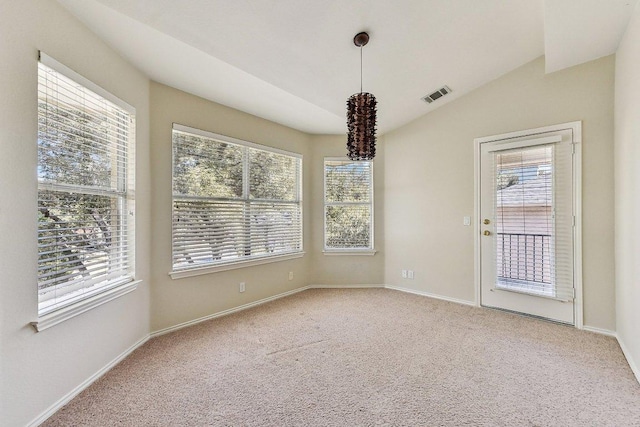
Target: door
[527, 224]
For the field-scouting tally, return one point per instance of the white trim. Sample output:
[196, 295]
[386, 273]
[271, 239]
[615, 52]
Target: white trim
[600, 331]
[86, 383]
[578, 307]
[396, 288]
[342, 159]
[576, 132]
[198, 271]
[525, 143]
[324, 209]
[68, 72]
[365, 286]
[226, 312]
[574, 126]
[332, 252]
[231, 265]
[430, 295]
[627, 354]
[476, 223]
[223, 138]
[66, 313]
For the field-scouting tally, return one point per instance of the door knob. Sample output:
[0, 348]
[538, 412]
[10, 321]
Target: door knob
[487, 233]
[486, 222]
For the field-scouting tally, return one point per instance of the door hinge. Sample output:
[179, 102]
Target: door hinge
[573, 221]
[573, 148]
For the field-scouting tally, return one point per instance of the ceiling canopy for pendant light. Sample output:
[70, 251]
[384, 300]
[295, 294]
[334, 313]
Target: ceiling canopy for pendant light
[361, 116]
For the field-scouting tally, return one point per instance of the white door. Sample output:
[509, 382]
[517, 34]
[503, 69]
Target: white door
[527, 224]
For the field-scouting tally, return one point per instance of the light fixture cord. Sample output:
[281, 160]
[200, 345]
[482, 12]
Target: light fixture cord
[360, 69]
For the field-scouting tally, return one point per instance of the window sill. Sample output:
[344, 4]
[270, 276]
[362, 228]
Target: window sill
[179, 274]
[51, 319]
[351, 252]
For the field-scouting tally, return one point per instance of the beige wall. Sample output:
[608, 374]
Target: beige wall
[182, 300]
[429, 178]
[343, 269]
[627, 182]
[38, 369]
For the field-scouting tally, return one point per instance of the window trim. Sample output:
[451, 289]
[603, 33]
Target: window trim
[81, 80]
[74, 309]
[199, 271]
[357, 252]
[119, 288]
[370, 251]
[237, 263]
[231, 140]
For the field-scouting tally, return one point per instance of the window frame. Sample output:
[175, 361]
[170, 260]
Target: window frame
[369, 251]
[241, 262]
[107, 289]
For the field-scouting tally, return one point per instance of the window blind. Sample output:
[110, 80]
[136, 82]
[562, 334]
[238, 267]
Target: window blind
[85, 149]
[232, 200]
[348, 199]
[534, 220]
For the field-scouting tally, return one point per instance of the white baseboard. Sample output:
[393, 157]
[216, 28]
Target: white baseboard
[630, 361]
[226, 312]
[430, 295]
[344, 286]
[86, 383]
[600, 331]
[396, 288]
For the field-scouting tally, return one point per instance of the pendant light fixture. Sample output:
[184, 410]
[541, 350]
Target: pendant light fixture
[361, 116]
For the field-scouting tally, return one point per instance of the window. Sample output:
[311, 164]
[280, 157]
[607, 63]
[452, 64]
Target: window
[233, 201]
[348, 205]
[85, 149]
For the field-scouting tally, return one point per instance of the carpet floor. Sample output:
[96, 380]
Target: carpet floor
[365, 357]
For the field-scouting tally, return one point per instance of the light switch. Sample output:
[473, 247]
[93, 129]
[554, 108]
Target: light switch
[466, 220]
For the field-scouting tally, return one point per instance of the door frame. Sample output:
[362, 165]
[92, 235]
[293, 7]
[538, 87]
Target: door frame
[576, 128]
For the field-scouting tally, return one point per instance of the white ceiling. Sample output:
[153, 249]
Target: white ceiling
[577, 31]
[294, 62]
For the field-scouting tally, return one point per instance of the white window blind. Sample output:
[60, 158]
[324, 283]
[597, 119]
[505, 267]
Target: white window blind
[232, 200]
[534, 221]
[85, 153]
[348, 204]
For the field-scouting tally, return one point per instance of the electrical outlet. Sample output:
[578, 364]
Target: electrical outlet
[410, 274]
[242, 287]
[291, 275]
[404, 274]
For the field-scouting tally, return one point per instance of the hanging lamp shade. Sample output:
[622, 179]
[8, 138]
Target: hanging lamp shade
[361, 116]
[361, 126]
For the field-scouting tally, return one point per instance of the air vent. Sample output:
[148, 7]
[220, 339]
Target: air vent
[437, 94]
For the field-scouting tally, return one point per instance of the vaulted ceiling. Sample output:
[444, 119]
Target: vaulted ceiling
[294, 62]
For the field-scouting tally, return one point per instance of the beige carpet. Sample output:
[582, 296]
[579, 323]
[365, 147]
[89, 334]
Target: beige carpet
[365, 357]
